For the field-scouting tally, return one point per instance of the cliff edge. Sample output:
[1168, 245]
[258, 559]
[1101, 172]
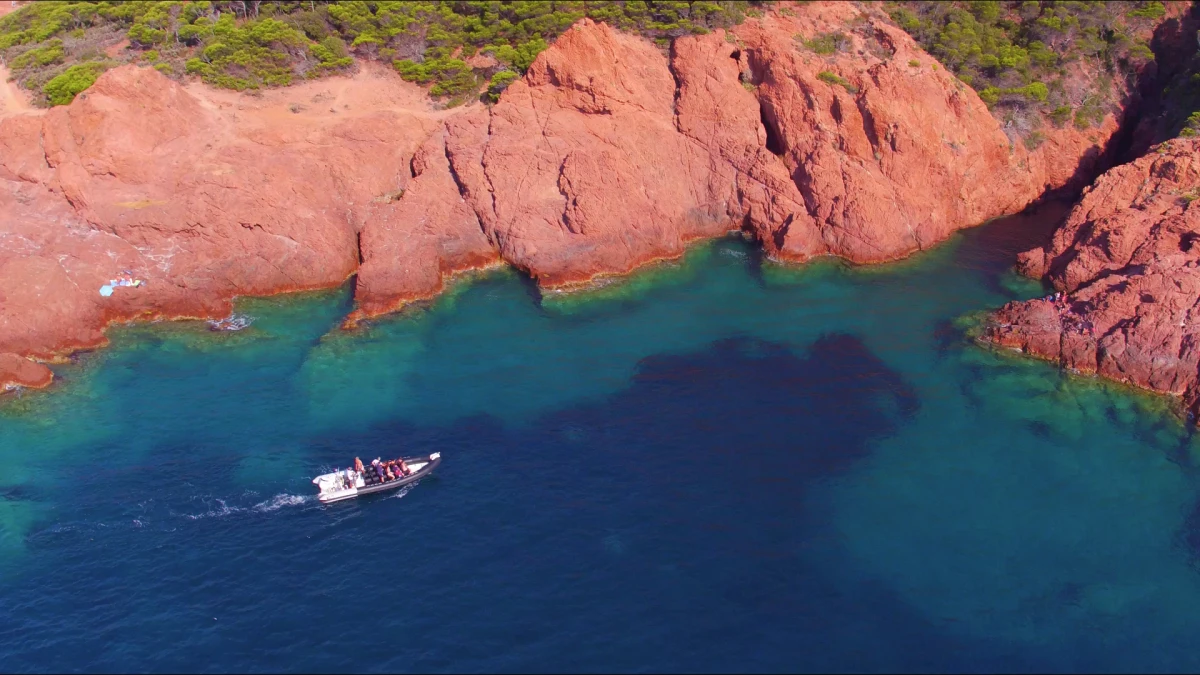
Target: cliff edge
[608, 154]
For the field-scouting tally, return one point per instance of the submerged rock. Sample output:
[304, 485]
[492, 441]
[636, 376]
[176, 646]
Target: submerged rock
[18, 371]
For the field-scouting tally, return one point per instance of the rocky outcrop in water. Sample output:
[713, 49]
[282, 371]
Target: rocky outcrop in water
[609, 154]
[18, 371]
[1127, 262]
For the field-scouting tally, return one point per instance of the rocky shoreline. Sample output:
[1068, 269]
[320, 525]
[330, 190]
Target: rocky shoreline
[1127, 268]
[606, 156]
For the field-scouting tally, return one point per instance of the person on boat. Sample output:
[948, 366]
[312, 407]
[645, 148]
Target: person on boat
[378, 468]
[388, 472]
[358, 465]
[402, 467]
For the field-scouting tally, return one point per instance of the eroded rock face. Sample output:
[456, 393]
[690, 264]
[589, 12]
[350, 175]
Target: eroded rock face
[1128, 261]
[606, 156]
[889, 152]
[18, 371]
[204, 195]
[579, 169]
[415, 239]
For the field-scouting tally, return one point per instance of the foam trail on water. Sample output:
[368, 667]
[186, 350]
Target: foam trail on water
[222, 510]
[281, 500]
[275, 503]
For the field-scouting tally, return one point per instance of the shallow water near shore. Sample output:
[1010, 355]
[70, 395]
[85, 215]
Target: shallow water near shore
[719, 464]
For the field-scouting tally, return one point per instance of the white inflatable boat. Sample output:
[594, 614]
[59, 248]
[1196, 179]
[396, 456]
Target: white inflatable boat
[348, 483]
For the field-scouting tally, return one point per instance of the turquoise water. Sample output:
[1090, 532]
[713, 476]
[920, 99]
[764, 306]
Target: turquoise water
[720, 464]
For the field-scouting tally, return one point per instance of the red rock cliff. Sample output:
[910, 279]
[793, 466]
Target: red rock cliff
[1128, 263]
[607, 155]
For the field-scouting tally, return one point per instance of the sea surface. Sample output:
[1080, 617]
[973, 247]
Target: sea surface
[720, 464]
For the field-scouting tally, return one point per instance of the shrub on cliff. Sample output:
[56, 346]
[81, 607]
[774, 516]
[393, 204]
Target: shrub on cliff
[246, 45]
[499, 83]
[1148, 10]
[252, 54]
[826, 43]
[1192, 126]
[1060, 115]
[519, 57]
[40, 56]
[450, 77]
[331, 55]
[1090, 112]
[1019, 54]
[63, 88]
[834, 78]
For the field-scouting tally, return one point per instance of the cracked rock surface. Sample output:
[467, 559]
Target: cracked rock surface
[607, 155]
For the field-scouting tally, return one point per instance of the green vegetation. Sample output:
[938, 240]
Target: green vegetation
[246, 55]
[1192, 126]
[1149, 10]
[834, 78]
[499, 83]
[1017, 54]
[62, 89]
[252, 44]
[826, 43]
[1060, 115]
[1090, 113]
[1181, 99]
[52, 52]
[450, 76]
[1034, 91]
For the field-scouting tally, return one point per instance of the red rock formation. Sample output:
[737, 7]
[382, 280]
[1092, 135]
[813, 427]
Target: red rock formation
[414, 240]
[582, 170]
[205, 195]
[896, 156]
[18, 371]
[607, 155]
[604, 157]
[1128, 260]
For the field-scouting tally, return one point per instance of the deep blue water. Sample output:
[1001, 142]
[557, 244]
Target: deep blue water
[717, 465]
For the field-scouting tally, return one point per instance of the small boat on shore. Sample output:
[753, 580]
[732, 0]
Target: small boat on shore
[348, 483]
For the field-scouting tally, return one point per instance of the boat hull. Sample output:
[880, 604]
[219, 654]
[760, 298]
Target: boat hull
[421, 467]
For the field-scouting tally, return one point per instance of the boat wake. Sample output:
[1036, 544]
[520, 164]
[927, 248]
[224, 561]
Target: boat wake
[280, 501]
[404, 490]
[153, 516]
[222, 508]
